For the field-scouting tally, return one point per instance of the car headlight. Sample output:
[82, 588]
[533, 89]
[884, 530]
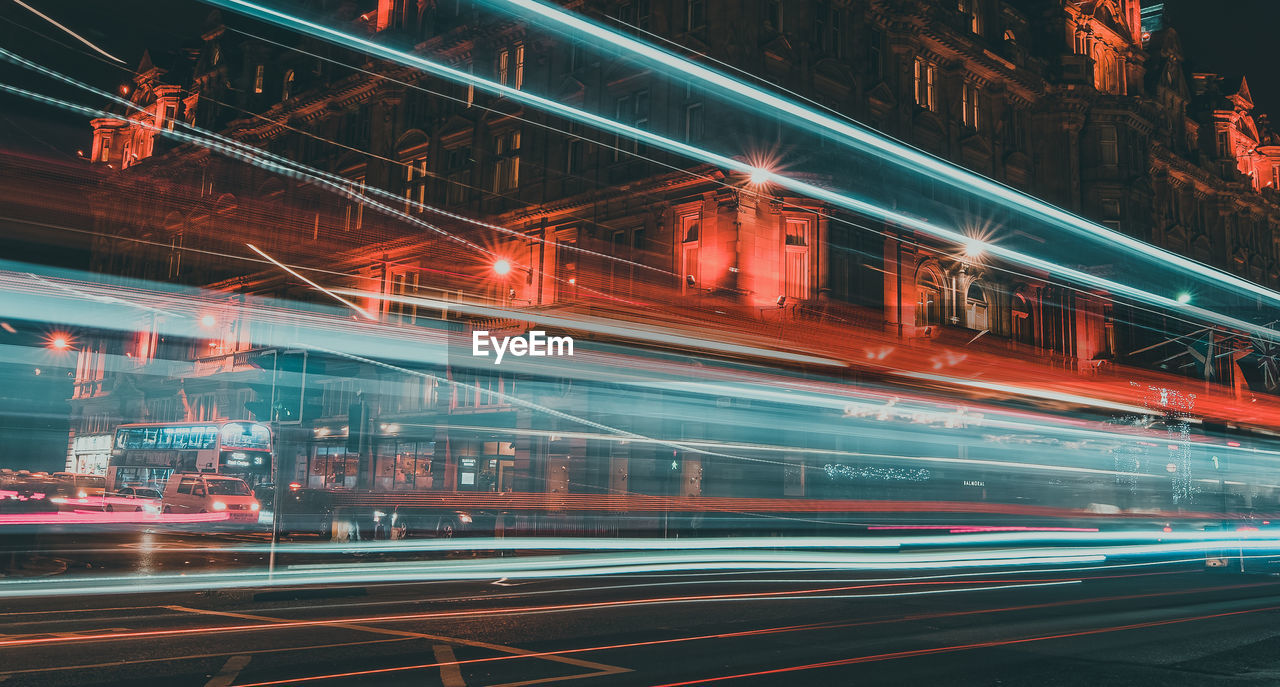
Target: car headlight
[253, 505]
[464, 518]
[218, 505]
[82, 494]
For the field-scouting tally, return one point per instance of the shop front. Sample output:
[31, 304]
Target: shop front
[89, 454]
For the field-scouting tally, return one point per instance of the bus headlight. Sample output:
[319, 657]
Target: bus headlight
[254, 505]
[218, 505]
[82, 494]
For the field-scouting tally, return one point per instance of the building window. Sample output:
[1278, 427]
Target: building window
[258, 75]
[693, 123]
[470, 95]
[354, 216]
[925, 73]
[928, 300]
[511, 66]
[969, 105]
[797, 240]
[573, 156]
[633, 110]
[1224, 144]
[1275, 177]
[415, 183]
[972, 13]
[875, 53]
[975, 311]
[458, 189]
[695, 15]
[835, 33]
[773, 15]
[506, 152]
[403, 284]
[635, 13]
[1110, 208]
[690, 225]
[1110, 149]
[287, 90]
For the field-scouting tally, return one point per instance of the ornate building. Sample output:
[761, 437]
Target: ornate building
[1071, 101]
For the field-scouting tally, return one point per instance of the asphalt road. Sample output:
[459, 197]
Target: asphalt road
[1127, 626]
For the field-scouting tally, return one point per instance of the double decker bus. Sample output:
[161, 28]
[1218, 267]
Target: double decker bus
[147, 454]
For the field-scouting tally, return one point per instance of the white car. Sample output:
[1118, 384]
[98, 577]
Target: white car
[133, 499]
[194, 492]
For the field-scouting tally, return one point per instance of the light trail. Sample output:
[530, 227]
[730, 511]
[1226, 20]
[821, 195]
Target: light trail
[789, 595]
[897, 153]
[585, 565]
[633, 645]
[281, 164]
[968, 647]
[318, 287]
[69, 32]
[320, 31]
[604, 326]
[965, 537]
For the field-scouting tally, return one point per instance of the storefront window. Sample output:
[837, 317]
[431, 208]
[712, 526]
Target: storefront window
[405, 465]
[332, 467]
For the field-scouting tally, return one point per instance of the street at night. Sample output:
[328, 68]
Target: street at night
[1121, 628]
[639, 342]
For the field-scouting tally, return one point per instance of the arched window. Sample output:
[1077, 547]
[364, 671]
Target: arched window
[287, 90]
[928, 299]
[975, 308]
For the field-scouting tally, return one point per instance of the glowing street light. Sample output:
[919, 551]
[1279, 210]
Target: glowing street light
[760, 176]
[208, 321]
[974, 249]
[502, 267]
[59, 342]
[1184, 298]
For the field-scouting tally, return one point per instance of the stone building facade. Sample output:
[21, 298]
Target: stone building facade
[1072, 102]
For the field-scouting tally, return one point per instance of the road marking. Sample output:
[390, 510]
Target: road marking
[230, 671]
[69, 635]
[450, 671]
[599, 668]
[192, 657]
[80, 610]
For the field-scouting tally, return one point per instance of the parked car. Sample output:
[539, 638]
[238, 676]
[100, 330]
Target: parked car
[193, 492]
[135, 499]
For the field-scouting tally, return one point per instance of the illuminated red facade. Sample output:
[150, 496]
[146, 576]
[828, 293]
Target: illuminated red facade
[1070, 101]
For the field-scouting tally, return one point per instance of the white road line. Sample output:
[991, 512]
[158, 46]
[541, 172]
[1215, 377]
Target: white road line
[229, 671]
[450, 671]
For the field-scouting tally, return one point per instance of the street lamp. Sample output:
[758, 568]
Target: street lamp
[58, 342]
[974, 249]
[502, 267]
